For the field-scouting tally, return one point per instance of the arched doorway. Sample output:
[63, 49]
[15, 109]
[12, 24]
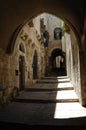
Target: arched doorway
[21, 73]
[58, 62]
[35, 66]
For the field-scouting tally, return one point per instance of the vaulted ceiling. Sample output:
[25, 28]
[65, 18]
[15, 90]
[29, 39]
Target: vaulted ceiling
[15, 12]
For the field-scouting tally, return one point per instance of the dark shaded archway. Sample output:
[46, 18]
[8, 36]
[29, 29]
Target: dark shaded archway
[61, 70]
[14, 14]
[14, 35]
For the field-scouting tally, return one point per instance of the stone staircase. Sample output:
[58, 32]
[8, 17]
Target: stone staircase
[50, 102]
[49, 90]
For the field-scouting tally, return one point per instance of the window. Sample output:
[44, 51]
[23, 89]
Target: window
[57, 33]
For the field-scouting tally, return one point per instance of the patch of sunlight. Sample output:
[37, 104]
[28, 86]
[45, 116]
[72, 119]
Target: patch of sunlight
[69, 110]
[66, 84]
[61, 77]
[64, 80]
[66, 94]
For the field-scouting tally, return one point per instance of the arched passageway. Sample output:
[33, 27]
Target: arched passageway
[55, 56]
[57, 8]
[58, 62]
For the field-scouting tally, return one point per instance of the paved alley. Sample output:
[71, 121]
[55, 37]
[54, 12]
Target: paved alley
[50, 102]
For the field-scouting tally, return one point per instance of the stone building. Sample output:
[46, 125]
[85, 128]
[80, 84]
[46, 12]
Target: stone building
[32, 38]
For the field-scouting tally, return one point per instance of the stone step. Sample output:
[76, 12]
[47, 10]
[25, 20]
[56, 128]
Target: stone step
[48, 89]
[47, 96]
[51, 80]
[55, 78]
[45, 101]
[47, 81]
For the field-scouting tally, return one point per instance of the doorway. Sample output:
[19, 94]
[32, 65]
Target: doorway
[21, 73]
[35, 76]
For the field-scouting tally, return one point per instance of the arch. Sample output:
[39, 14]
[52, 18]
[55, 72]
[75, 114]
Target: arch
[16, 32]
[75, 32]
[58, 53]
[13, 38]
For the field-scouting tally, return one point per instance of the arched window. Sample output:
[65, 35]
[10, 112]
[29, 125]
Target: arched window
[57, 33]
[21, 48]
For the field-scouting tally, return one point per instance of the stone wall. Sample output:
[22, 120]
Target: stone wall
[73, 61]
[30, 42]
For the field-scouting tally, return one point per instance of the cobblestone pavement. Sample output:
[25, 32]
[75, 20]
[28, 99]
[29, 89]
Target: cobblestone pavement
[51, 102]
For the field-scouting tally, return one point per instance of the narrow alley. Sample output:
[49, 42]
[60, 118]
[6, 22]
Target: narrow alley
[51, 102]
[42, 64]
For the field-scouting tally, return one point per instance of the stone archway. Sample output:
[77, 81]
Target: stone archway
[58, 61]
